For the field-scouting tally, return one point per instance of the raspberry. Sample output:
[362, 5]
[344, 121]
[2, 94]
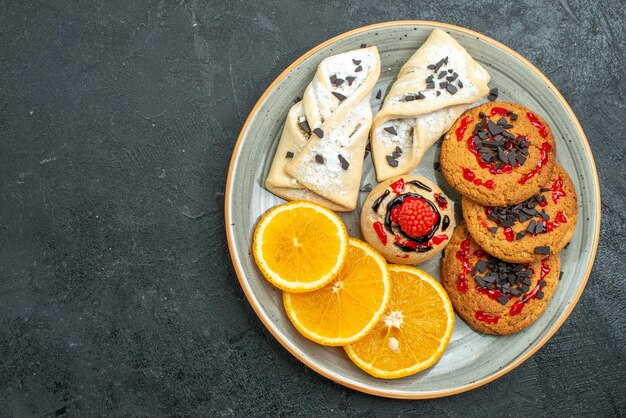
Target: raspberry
[415, 217]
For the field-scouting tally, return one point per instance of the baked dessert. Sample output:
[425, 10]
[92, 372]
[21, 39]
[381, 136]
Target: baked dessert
[528, 231]
[408, 219]
[321, 149]
[433, 88]
[491, 295]
[498, 154]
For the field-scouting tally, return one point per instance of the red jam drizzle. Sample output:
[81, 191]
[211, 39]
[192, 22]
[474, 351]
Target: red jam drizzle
[398, 186]
[558, 220]
[442, 202]
[509, 234]
[378, 227]
[557, 189]
[460, 131]
[490, 319]
[438, 239]
[535, 122]
[470, 176]
[483, 223]
[500, 111]
[518, 306]
[402, 256]
[463, 256]
[545, 150]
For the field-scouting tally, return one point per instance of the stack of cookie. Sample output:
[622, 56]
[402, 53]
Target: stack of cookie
[520, 209]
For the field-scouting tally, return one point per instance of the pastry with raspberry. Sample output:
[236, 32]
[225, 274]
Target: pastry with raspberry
[408, 219]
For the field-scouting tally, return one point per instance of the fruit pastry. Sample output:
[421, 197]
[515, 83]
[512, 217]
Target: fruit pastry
[408, 219]
[492, 295]
[320, 153]
[531, 230]
[433, 88]
[498, 154]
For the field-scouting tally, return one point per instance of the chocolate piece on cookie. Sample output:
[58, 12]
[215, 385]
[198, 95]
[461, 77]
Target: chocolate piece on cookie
[498, 154]
[531, 230]
[408, 219]
[492, 295]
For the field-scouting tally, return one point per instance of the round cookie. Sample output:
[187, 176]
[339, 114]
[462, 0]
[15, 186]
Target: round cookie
[498, 154]
[480, 288]
[408, 219]
[531, 230]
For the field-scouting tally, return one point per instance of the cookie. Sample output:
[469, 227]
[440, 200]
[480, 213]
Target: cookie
[491, 295]
[498, 154]
[408, 219]
[528, 231]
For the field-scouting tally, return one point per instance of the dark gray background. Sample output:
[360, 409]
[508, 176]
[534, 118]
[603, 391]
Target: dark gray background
[117, 120]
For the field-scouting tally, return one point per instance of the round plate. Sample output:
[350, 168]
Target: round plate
[471, 359]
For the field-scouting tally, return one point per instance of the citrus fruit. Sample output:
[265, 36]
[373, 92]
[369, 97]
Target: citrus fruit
[300, 246]
[348, 307]
[413, 332]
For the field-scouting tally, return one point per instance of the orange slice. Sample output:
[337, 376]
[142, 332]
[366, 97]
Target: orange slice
[414, 331]
[347, 308]
[300, 246]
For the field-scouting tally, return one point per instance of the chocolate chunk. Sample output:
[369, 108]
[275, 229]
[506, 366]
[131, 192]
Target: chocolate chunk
[503, 299]
[430, 85]
[358, 69]
[540, 294]
[319, 159]
[304, 125]
[398, 150]
[420, 96]
[344, 163]
[339, 96]
[391, 161]
[494, 129]
[363, 45]
[391, 130]
[543, 249]
[513, 117]
[338, 82]
[520, 235]
[430, 78]
[438, 93]
[493, 94]
[318, 132]
[378, 94]
[443, 84]
[431, 66]
[441, 74]
[451, 89]
[289, 154]
[460, 84]
[366, 188]
[332, 79]
[350, 79]
[436, 165]
[356, 62]
[493, 229]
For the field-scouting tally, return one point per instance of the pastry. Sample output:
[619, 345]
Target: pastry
[491, 295]
[528, 231]
[498, 154]
[408, 219]
[433, 88]
[320, 153]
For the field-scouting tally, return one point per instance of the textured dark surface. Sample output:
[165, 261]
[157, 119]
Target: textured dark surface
[117, 120]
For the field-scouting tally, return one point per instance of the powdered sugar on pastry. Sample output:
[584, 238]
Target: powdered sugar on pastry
[433, 88]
